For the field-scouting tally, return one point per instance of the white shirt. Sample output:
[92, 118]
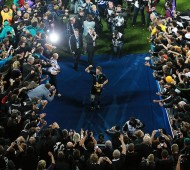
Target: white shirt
[136, 4]
[54, 68]
[120, 21]
[175, 30]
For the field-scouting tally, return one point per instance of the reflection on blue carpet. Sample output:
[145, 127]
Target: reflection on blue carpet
[130, 92]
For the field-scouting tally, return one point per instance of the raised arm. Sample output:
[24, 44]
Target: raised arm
[88, 68]
[50, 98]
[178, 163]
[93, 139]
[123, 146]
[51, 167]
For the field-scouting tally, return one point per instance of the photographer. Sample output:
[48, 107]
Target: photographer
[43, 91]
[132, 125]
[119, 22]
[110, 15]
[54, 70]
[117, 41]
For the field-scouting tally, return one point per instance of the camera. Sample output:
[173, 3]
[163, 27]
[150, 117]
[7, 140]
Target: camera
[52, 88]
[89, 134]
[185, 157]
[178, 135]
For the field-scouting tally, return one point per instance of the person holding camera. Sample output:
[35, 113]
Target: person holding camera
[91, 43]
[42, 91]
[54, 70]
[117, 41]
[119, 22]
[99, 81]
[132, 125]
[110, 15]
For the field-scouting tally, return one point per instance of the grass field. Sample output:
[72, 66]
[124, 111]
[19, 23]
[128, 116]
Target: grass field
[135, 38]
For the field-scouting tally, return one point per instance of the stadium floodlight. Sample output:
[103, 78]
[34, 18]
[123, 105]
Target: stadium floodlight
[53, 37]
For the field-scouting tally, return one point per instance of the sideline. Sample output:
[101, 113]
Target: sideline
[164, 110]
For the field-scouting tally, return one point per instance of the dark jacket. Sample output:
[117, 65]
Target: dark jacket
[114, 138]
[73, 43]
[89, 41]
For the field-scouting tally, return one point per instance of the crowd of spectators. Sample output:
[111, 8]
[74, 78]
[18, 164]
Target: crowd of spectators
[29, 69]
[170, 52]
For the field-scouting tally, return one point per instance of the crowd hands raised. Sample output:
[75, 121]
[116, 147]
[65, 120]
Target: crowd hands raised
[28, 82]
[27, 142]
[170, 52]
[51, 147]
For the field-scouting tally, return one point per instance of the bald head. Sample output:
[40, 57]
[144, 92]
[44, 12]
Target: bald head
[116, 154]
[69, 145]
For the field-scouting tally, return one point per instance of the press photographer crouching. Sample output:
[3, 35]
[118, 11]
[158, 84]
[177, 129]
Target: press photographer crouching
[43, 91]
[132, 125]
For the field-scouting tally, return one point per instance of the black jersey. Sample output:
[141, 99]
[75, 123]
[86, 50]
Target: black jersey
[97, 79]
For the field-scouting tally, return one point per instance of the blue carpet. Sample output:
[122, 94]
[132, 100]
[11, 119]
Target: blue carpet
[130, 92]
